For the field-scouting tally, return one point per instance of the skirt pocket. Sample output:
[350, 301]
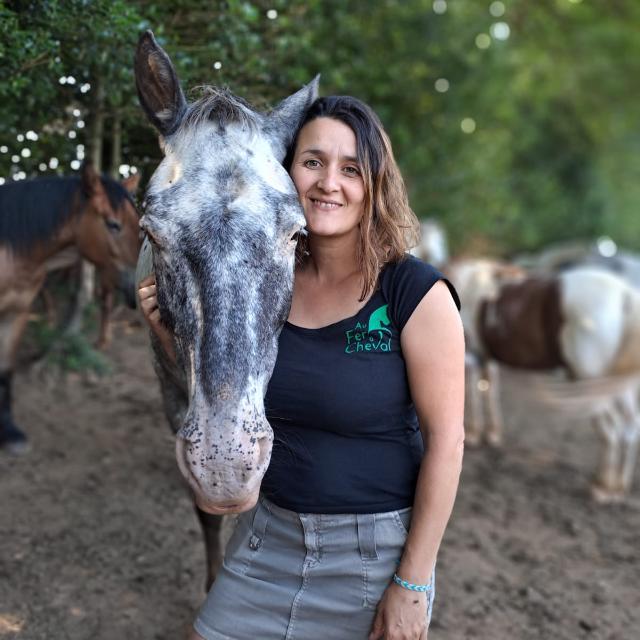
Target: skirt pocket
[390, 533]
[247, 539]
[402, 519]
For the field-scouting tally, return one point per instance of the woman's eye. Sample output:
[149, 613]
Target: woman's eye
[311, 164]
[352, 171]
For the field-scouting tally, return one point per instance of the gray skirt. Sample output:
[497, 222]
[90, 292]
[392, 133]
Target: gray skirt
[304, 576]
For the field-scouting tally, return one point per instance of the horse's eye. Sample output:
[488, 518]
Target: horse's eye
[113, 225]
[152, 239]
[146, 227]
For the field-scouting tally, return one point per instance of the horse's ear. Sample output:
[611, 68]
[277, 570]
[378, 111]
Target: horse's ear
[284, 120]
[158, 86]
[131, 183]
[91, 182]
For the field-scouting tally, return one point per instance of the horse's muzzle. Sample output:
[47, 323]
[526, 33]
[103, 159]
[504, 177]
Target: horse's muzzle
[224, 483]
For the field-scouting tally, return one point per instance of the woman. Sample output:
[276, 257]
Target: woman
[366, 403]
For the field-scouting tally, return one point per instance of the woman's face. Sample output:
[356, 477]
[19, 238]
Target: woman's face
[328, 178]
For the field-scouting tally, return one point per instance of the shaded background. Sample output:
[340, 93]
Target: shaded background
[515, 122]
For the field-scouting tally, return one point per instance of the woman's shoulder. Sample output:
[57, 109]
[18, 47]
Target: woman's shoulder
[404, 283]
[410, 267]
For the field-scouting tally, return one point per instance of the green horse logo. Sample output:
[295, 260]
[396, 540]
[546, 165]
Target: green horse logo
[379, 320]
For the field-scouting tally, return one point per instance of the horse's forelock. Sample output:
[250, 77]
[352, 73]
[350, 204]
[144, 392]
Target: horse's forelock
[219, 106]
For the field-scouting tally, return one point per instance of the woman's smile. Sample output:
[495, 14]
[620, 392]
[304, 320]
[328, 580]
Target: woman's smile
[326, 205]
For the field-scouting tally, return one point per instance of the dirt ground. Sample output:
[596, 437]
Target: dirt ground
[98, 539]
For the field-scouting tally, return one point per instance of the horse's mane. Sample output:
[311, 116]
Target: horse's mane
[31, 211]
[221, 106]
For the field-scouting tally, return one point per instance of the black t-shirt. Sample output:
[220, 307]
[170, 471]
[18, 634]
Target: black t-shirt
[347, 438]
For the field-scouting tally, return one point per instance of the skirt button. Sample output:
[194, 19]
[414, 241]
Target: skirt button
[255, 543]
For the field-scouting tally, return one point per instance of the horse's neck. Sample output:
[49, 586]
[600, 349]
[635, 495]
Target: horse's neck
[66, 257]
[59, 251]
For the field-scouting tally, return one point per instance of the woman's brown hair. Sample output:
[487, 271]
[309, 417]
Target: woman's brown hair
[388, 226]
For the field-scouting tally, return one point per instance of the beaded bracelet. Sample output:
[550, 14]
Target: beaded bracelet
[412, 587]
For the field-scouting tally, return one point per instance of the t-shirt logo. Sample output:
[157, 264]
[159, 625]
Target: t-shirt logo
[374, 336]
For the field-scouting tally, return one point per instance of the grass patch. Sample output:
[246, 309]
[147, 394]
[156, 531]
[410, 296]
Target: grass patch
[65, 351]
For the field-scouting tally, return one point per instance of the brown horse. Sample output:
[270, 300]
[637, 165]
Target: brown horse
[46, 224]
[106, 291]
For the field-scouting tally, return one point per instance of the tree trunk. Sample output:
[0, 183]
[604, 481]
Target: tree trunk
[87, 274]
[97, 126]
[116, 146]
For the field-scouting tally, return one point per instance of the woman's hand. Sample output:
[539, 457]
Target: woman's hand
[151, 313]
[401, 615]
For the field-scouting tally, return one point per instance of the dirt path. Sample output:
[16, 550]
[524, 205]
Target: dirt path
[98, 540]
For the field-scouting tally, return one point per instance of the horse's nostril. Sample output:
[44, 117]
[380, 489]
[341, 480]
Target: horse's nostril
[264, 454]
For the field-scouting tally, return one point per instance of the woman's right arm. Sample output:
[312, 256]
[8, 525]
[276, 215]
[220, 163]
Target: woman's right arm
[151, 313]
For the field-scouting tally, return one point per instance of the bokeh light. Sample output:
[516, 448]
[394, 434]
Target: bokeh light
[497, 9]
[439, 6]
[500, 30]
[483, 41]
[606, 247]
[468, 125]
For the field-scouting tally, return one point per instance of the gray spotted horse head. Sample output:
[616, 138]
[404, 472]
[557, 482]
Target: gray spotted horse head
[222, 217]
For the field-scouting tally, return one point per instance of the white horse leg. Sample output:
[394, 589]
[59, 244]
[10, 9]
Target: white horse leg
[628, 434]
[495, 423]
[474, 414]
[607, 479]
[630, 440]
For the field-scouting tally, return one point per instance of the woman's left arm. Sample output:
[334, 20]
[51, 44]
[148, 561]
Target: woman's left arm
[433, 348]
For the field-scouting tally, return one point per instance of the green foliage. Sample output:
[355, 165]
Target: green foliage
[554, 153]
[56, 56]
[65, 352]
[47, 338]
[28, 53]
[75, 353]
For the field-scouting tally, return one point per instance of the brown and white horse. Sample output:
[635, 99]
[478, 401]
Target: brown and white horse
[46, 224]
[585, 321]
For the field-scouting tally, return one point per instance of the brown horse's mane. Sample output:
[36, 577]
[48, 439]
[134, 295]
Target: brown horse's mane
[31, 211]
